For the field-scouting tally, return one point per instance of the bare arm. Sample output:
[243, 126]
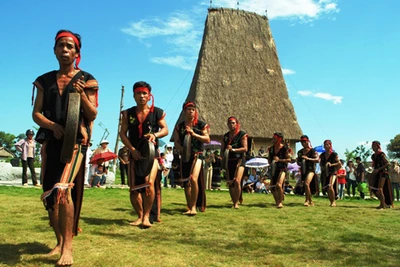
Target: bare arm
[204, 137]
[88, 99]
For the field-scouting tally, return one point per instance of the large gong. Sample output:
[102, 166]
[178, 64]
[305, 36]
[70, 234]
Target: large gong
[71, 127]
[225, 158]
[147, 151]
[187, 148]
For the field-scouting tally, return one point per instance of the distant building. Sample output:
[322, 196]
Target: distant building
[238, 74]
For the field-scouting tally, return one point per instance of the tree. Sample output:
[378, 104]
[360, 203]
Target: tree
[7, 140]
[361, 151]
[393, 147]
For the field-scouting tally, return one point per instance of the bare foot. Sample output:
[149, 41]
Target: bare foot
[305, 204]
[193, 212]
[333, 204]
[187, 212]
[66, 258]
[380, 207]
[137, 222]
[236, 206]
[55, 251]
[279, 206]
[311, 204]
[146, 222]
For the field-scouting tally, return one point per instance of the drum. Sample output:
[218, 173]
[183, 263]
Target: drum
[187, 148]
[71, 127]
[147, 151]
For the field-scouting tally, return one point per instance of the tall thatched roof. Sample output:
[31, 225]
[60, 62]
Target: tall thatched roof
[238, 74]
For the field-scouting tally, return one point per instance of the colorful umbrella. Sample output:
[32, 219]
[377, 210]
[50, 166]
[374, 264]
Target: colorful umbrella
[293, 167]
[105, 156]
[257, 163]
[213, 145]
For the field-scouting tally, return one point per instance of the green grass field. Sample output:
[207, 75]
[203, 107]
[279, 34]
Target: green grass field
[352, 234]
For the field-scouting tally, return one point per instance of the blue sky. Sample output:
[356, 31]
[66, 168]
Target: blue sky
[340, 59]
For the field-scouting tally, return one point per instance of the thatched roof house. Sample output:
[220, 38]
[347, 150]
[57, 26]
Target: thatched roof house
[238, 74]
[4, 153]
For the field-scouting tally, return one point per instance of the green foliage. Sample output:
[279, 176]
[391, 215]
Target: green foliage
[352, 234]
[362, 151]
[393, 147]
[7, 140]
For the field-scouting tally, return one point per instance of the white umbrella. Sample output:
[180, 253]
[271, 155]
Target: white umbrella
[257, 163]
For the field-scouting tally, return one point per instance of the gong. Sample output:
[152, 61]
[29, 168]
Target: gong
[71, 127]
[147, 151]
[187, 148]
[225, 158]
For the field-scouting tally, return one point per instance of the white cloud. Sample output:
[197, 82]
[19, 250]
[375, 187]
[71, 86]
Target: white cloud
[304, 10]
[178, 61]
[288, 72]
[181, 31]
[326, 96]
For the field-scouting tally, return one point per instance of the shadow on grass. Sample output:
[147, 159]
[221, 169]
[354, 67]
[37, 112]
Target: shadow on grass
[11, 254]
[102, 221]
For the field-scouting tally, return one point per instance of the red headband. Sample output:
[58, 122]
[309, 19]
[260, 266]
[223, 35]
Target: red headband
[196, 114]
[189, 104]
[307, 140]
[145, 89]
[76, 41]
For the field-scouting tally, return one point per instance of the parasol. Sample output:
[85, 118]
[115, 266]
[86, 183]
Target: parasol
[257, 163]
[293, 167]
[212, 145]
[106, 156]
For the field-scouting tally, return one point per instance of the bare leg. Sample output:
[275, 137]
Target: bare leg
[188, 191]
[238, 187]
[136, 201]
[148, 198]
[379, 193]
[279, 190]
[53, 217]
[331, 192]
[195, 187]
[66, 222]
[307, 189]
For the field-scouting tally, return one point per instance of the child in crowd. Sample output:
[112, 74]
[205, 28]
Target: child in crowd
[99, 177]
[247, 184]
[288, 188]
[341, 176]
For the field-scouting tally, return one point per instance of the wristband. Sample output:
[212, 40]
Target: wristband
[155, 135]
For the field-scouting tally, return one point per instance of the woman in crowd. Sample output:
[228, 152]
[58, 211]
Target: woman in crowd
[236, 142]
[330, 163]
[307, 158]
[278, 158]
[381, 185]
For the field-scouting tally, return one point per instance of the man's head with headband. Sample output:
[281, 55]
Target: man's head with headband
[278, 137]
[237, 128]
[77, 41]
[376, 146]
[142, 86]
[196, 113]
[304, 139]
[328, 145]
